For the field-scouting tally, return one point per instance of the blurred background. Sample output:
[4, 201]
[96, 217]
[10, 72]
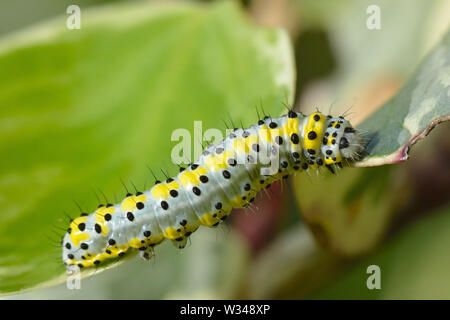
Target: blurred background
[293, 247]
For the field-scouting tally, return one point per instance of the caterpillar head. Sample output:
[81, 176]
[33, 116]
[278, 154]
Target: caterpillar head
[350, 144]
[341, 141]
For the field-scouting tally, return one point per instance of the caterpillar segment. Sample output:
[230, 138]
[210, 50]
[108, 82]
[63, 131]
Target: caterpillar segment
[226, 176]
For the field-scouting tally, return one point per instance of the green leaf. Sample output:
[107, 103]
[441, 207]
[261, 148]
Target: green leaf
[83, 109]
[410, 115]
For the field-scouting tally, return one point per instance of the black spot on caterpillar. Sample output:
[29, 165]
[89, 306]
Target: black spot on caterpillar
[226, 176]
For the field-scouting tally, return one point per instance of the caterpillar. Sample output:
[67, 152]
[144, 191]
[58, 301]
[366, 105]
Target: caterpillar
[227, 175]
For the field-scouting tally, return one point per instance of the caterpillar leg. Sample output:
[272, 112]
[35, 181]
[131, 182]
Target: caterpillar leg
[147, 254]
[180, 242]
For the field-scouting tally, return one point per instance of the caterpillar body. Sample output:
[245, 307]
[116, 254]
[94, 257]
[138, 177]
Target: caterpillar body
[226, 176]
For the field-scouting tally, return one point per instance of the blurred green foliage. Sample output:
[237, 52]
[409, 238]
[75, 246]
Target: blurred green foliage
[360, 202]
[414, 265]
